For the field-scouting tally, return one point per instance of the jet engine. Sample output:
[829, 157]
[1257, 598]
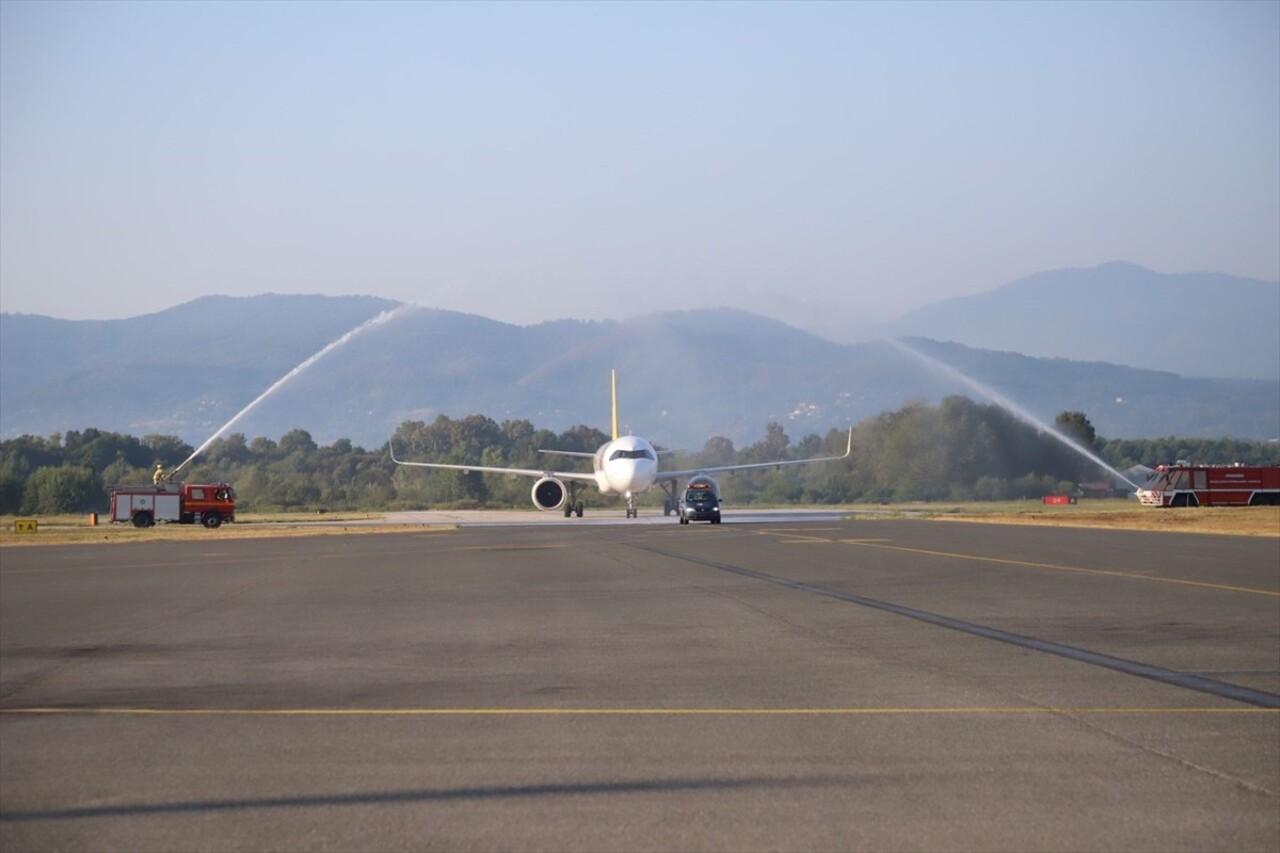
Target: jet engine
[549, 494]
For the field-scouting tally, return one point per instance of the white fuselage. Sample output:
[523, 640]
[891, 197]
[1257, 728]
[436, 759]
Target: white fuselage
[625, 466]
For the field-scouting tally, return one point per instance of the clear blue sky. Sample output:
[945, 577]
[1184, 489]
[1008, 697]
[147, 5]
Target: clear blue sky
[828, 163]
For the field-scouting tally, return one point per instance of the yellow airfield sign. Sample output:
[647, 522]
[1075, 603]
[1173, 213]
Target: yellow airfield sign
[25, 525]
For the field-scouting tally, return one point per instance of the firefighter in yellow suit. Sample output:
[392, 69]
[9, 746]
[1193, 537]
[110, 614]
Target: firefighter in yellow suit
[158, 477]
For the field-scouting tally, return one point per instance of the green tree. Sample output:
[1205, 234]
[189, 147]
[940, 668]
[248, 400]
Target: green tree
[581, 439]
[168, 449]
[296, 441]
[68, 488]
[717, 451]
[11, 487]
[1076, 426]
[262, 448]
[230, 449]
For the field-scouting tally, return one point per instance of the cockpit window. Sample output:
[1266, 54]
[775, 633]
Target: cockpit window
[642, 453]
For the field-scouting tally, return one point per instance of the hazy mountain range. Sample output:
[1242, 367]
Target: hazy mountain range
[1198, 324]
[683, 376]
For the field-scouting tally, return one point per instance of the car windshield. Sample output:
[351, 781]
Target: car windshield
[1168, 481]
[697, 496]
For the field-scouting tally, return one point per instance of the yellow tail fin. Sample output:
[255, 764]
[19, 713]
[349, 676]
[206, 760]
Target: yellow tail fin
[613, 380]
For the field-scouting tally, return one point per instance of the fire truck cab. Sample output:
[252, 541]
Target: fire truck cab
[1211, 485]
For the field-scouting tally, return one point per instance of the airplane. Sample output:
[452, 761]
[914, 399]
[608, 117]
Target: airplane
[625, 466]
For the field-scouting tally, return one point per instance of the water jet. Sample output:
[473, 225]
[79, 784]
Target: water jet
[385, 317]
[1003, 402]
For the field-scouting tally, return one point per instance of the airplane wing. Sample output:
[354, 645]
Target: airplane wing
[663, 476]
[486, 469]
[568, 453]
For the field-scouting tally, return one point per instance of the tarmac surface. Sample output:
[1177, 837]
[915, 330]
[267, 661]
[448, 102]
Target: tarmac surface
[801, 684]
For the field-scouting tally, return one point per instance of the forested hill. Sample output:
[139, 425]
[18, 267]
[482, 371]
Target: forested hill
[683, 376]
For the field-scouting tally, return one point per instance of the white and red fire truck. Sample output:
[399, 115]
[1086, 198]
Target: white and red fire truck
[209, 504]
[1212, 485]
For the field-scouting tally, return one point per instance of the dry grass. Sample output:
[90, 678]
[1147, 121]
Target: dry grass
[75, 530]
[1235, 521]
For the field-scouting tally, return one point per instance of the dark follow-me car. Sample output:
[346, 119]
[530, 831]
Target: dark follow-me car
[700, 501]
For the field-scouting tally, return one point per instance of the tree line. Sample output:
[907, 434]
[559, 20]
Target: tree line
[956, 450]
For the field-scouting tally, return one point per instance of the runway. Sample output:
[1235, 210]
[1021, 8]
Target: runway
[805, 684]
[610, 517]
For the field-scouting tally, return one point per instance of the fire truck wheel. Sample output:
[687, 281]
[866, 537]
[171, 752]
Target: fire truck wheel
[211, 520]
[143, 519]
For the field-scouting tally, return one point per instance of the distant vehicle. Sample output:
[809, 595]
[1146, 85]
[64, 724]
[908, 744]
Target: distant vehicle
[1184, 484]
[209, 504]
[700, 501]
[626, 465]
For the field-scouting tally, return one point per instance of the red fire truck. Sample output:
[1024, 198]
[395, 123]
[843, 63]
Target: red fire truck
[1211, 485]
[209, 504]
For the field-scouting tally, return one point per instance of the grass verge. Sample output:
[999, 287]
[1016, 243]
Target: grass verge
[1120, 515]
[75, 529]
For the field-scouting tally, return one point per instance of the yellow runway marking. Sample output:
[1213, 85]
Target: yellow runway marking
[508, 548]
[879, 543]
[612, 712]
[795, 541]
[804, 529]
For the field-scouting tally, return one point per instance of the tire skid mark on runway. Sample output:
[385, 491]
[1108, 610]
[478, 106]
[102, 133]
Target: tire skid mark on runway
[669, 786]
[1189, 681]
[794, 538]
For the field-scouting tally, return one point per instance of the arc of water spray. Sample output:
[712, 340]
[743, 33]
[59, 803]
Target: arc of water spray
[385, 317]
[1005, 403]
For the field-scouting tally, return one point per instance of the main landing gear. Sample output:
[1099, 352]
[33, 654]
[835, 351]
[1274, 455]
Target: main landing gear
[669, 502]
[573, 506]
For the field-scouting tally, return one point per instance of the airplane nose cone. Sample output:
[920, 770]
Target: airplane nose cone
[630, 480]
